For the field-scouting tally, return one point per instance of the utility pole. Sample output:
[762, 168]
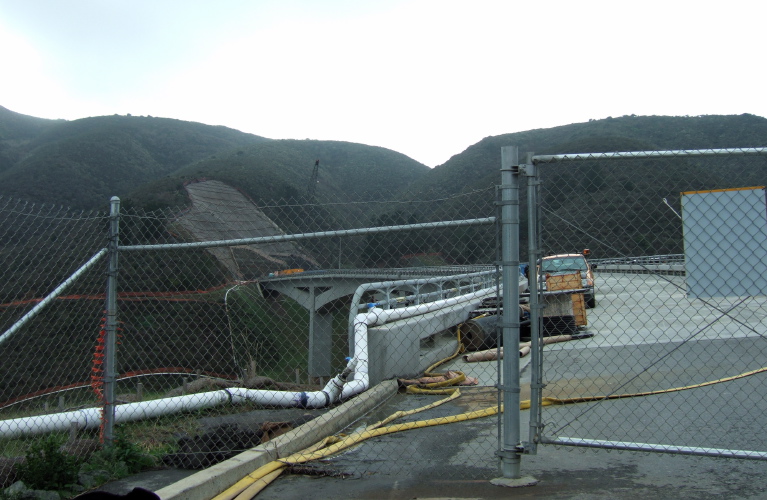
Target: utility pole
[312, 187]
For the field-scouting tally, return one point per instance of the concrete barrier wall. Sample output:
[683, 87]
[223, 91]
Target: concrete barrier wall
[395, 348]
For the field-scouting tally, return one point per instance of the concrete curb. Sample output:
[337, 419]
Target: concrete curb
[208, 483]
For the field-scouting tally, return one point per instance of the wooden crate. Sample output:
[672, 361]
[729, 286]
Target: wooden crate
[563, 282]
[570, 282]
[579, 309]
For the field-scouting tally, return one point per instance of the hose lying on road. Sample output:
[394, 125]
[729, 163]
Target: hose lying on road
[253, 483]
[524, 348]
[249, 486]
[546, 401]
[440, 380]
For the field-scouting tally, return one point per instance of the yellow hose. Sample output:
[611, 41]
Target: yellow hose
[411, 389]
[436, 387]
[546, 401]
[253, 483]
[454, 393]
[255, 488]
[458, 350]
[329, 447]
[260, 474]
[445, 383]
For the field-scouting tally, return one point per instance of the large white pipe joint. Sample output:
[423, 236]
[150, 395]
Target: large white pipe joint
[374, 317]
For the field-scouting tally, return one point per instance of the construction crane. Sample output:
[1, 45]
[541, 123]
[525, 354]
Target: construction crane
[312, 188]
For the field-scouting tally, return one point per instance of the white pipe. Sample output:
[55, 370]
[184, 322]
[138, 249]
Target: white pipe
[90, 418]
[375, 317]
[338, 388]
[357, 297]
[385, 315]
[361, 381]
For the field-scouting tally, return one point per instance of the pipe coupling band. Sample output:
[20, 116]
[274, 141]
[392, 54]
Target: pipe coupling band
[229, 393]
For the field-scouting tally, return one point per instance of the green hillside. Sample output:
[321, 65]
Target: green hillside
[16, 131]
[17, 127]
[280, 170]
[478, 166]
[147, 161]
[614, 208]
[82, 163]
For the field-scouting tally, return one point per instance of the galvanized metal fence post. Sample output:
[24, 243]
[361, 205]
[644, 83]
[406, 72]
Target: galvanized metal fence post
[511, 453]
[536, 347]
[110, 328]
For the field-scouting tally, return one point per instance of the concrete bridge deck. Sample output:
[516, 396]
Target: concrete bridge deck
[319, 292]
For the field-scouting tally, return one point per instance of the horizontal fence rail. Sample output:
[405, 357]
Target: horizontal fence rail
[544, 159]
[306, 236]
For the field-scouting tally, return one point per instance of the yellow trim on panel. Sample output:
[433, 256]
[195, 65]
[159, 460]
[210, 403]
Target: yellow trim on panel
[722, 190]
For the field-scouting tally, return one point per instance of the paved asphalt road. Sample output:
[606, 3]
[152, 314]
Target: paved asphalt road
[457, 460]
[636, 347]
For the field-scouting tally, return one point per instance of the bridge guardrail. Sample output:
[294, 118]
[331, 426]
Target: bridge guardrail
[647, 264]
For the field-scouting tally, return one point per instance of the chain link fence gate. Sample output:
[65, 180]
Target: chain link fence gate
[232, 322]
[671, 355]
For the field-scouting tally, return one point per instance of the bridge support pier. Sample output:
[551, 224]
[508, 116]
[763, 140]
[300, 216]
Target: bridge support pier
[320, 338]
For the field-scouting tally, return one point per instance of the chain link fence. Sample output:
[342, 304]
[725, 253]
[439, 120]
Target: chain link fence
[42, 246]
[235, 321]
[671, 349]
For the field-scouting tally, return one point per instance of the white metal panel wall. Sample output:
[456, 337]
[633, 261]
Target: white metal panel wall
[725, 242]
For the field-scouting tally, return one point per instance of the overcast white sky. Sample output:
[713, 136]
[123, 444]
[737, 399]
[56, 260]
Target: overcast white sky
[427, 78]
